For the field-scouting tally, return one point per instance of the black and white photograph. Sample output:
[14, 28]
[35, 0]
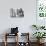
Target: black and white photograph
[19, 12]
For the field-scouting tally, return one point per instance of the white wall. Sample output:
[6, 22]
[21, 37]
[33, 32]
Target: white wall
[29, 7]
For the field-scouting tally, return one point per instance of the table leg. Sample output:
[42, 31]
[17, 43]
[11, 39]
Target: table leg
[5, 40]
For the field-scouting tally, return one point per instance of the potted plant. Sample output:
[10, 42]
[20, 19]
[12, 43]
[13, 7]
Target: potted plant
[39, 36]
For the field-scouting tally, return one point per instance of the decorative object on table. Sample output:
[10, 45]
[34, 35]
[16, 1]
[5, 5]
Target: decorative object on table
[14, 30]
[19, 12]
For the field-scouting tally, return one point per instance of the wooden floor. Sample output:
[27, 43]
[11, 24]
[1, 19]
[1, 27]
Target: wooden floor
[13, 44]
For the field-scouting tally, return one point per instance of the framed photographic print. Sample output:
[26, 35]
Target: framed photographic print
[16, 13]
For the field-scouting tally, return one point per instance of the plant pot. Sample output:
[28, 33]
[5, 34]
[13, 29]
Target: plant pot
[40, 41]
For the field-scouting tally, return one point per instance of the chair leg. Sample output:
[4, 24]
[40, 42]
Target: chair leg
[17, 39]
[5, 43]
[5, 40]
